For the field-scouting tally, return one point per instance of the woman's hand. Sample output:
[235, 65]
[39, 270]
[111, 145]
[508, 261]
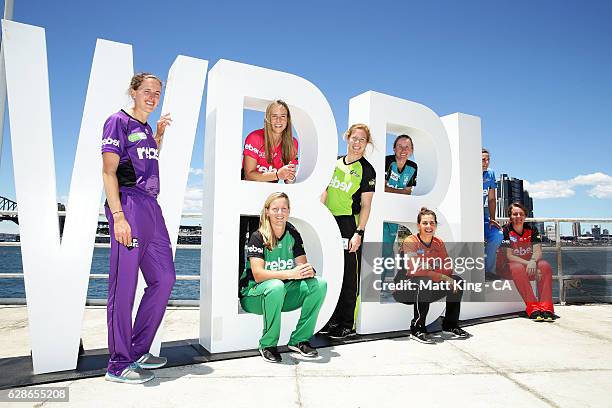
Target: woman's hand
[164, 120]
[302, 271]
[354, 243]
[448, 280]
[287, 173]
[122, 229]
[531, 268]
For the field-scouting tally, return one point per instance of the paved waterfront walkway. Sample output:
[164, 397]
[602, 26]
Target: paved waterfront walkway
[509, 363]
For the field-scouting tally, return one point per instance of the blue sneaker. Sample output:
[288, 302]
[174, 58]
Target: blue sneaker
[151, 362]
[132, 374]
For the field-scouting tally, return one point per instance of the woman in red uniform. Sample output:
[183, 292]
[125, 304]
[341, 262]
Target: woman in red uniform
[269, 155]
[429, 278]
[524, 254]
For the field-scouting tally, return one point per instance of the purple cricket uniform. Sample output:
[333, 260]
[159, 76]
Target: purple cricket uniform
[138, 176]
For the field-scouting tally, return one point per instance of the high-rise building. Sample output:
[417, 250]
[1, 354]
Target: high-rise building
[596, 231]
[551, 232]
[576, 229]
[510, 190]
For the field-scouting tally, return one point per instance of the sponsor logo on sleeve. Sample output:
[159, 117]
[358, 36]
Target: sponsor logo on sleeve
[109, 141]
[254, 249]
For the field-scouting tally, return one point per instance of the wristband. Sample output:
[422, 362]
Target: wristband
[117, 212]
[359, 232]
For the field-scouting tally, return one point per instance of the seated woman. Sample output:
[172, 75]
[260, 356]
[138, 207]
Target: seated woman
[278, 278]
[524, 263]
[429, 279]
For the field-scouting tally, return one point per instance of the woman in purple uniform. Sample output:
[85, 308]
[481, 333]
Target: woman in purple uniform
[139, 239]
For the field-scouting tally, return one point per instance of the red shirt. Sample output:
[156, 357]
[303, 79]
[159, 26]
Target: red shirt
[254, 146]
[521, 244]
[432, 258]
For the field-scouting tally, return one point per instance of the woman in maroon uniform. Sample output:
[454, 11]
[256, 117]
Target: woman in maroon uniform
[523, 251]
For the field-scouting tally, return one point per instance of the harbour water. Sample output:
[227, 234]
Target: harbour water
[576, 261]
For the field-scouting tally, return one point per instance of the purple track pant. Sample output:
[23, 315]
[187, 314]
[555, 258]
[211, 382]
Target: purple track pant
[153, 255]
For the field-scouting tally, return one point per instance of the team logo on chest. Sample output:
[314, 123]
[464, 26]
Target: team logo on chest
[149, 153]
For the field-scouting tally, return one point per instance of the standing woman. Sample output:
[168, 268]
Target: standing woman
[523, 250]
[269, 155]
[278, 278]
[349, 198]
[139, 238]
[428, 254]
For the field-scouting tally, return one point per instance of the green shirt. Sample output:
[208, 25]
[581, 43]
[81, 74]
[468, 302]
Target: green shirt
[347, 184]
[280, 258]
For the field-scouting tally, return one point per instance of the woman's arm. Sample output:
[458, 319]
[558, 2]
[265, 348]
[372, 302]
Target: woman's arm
[122, 230]
[407, 190]
[324, 197]
[364, 214]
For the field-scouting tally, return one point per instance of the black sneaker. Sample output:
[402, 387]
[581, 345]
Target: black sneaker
[457, 332]
[548, 317]
[328, 327]
[271, 355]
[422, 337]
[341, 333]
[305, 349]
[536, 315]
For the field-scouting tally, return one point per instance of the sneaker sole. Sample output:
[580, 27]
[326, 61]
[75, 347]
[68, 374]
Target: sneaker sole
[422, 341]
[268, 361]
[146, 366]
[455, 336]
[341, 337]
[297, 350]
[113, 378]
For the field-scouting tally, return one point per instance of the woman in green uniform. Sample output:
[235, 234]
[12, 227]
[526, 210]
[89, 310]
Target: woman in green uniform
[278, 278]
[349, 198]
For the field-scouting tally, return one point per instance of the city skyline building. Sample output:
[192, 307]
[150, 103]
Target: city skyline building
[511, 190]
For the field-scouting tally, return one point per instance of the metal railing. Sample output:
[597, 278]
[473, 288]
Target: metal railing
[563, 280]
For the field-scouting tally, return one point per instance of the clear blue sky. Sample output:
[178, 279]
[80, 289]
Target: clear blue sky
[538, 73]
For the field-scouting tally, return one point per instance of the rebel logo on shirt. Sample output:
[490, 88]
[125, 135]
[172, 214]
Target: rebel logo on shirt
[109, 141]
[340, 185]
[279, 264]
[150, 153]
[264, 169]
[253, 248]
[251, 148]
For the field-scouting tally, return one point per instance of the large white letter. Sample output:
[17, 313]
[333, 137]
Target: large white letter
[182, 99]
[56, 276]
[232, 87]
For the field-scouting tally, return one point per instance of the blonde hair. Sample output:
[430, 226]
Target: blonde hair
[287, 148]
[265, 227]
[357, 126]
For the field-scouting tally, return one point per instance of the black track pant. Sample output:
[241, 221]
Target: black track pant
[344, 314]
[421, 297]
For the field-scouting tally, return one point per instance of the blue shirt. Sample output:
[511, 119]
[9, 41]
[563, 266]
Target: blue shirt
[488, 182]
